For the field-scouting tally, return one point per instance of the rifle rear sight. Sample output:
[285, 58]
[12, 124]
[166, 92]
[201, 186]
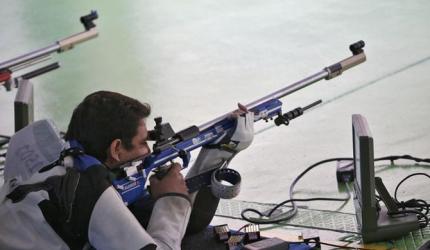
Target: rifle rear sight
[165, 137]
[161, 134]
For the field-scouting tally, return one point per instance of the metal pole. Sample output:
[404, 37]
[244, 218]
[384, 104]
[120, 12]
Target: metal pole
[289, 89]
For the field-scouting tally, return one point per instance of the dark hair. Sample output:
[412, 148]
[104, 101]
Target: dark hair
[102, 117]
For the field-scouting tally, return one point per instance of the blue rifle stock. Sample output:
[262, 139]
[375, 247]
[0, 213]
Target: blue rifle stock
[170, 145]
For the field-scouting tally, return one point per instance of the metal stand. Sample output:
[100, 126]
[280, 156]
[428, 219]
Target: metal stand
[24, 104]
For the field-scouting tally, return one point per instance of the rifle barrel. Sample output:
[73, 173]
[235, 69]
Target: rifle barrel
[289, 89]
[275, 95]
[327, 73]
[29, 56]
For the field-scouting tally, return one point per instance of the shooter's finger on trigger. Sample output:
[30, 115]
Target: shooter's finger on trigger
[176, 167]
[153, 179]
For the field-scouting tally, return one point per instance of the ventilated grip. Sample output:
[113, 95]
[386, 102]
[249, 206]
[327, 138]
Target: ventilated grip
[223, 190]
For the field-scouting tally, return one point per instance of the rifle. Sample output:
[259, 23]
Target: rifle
[170, 145]
[24, 96]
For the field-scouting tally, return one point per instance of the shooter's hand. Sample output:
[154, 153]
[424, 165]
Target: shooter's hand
[172, 182]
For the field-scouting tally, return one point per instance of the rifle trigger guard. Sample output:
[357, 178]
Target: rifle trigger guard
[185, 156]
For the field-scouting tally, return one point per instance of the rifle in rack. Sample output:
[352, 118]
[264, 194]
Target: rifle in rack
[170, 145]
[24, 96]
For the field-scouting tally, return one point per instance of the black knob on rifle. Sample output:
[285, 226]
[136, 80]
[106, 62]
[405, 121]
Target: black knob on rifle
[87, 20]
[161, 132]
[285, 118]
[158, 121]
[357, 48]
[182, 153]
[280, 120]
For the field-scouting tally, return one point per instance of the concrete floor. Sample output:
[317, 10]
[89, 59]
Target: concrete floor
[193, 60]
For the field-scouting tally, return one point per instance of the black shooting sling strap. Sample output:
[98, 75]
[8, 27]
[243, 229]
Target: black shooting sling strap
[72, 197]
[20, 192]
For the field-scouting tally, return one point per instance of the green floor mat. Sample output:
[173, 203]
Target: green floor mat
[323, 220]
[319, 219]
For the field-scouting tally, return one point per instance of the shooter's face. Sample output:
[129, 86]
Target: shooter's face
[139, 144]
[118, 153]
